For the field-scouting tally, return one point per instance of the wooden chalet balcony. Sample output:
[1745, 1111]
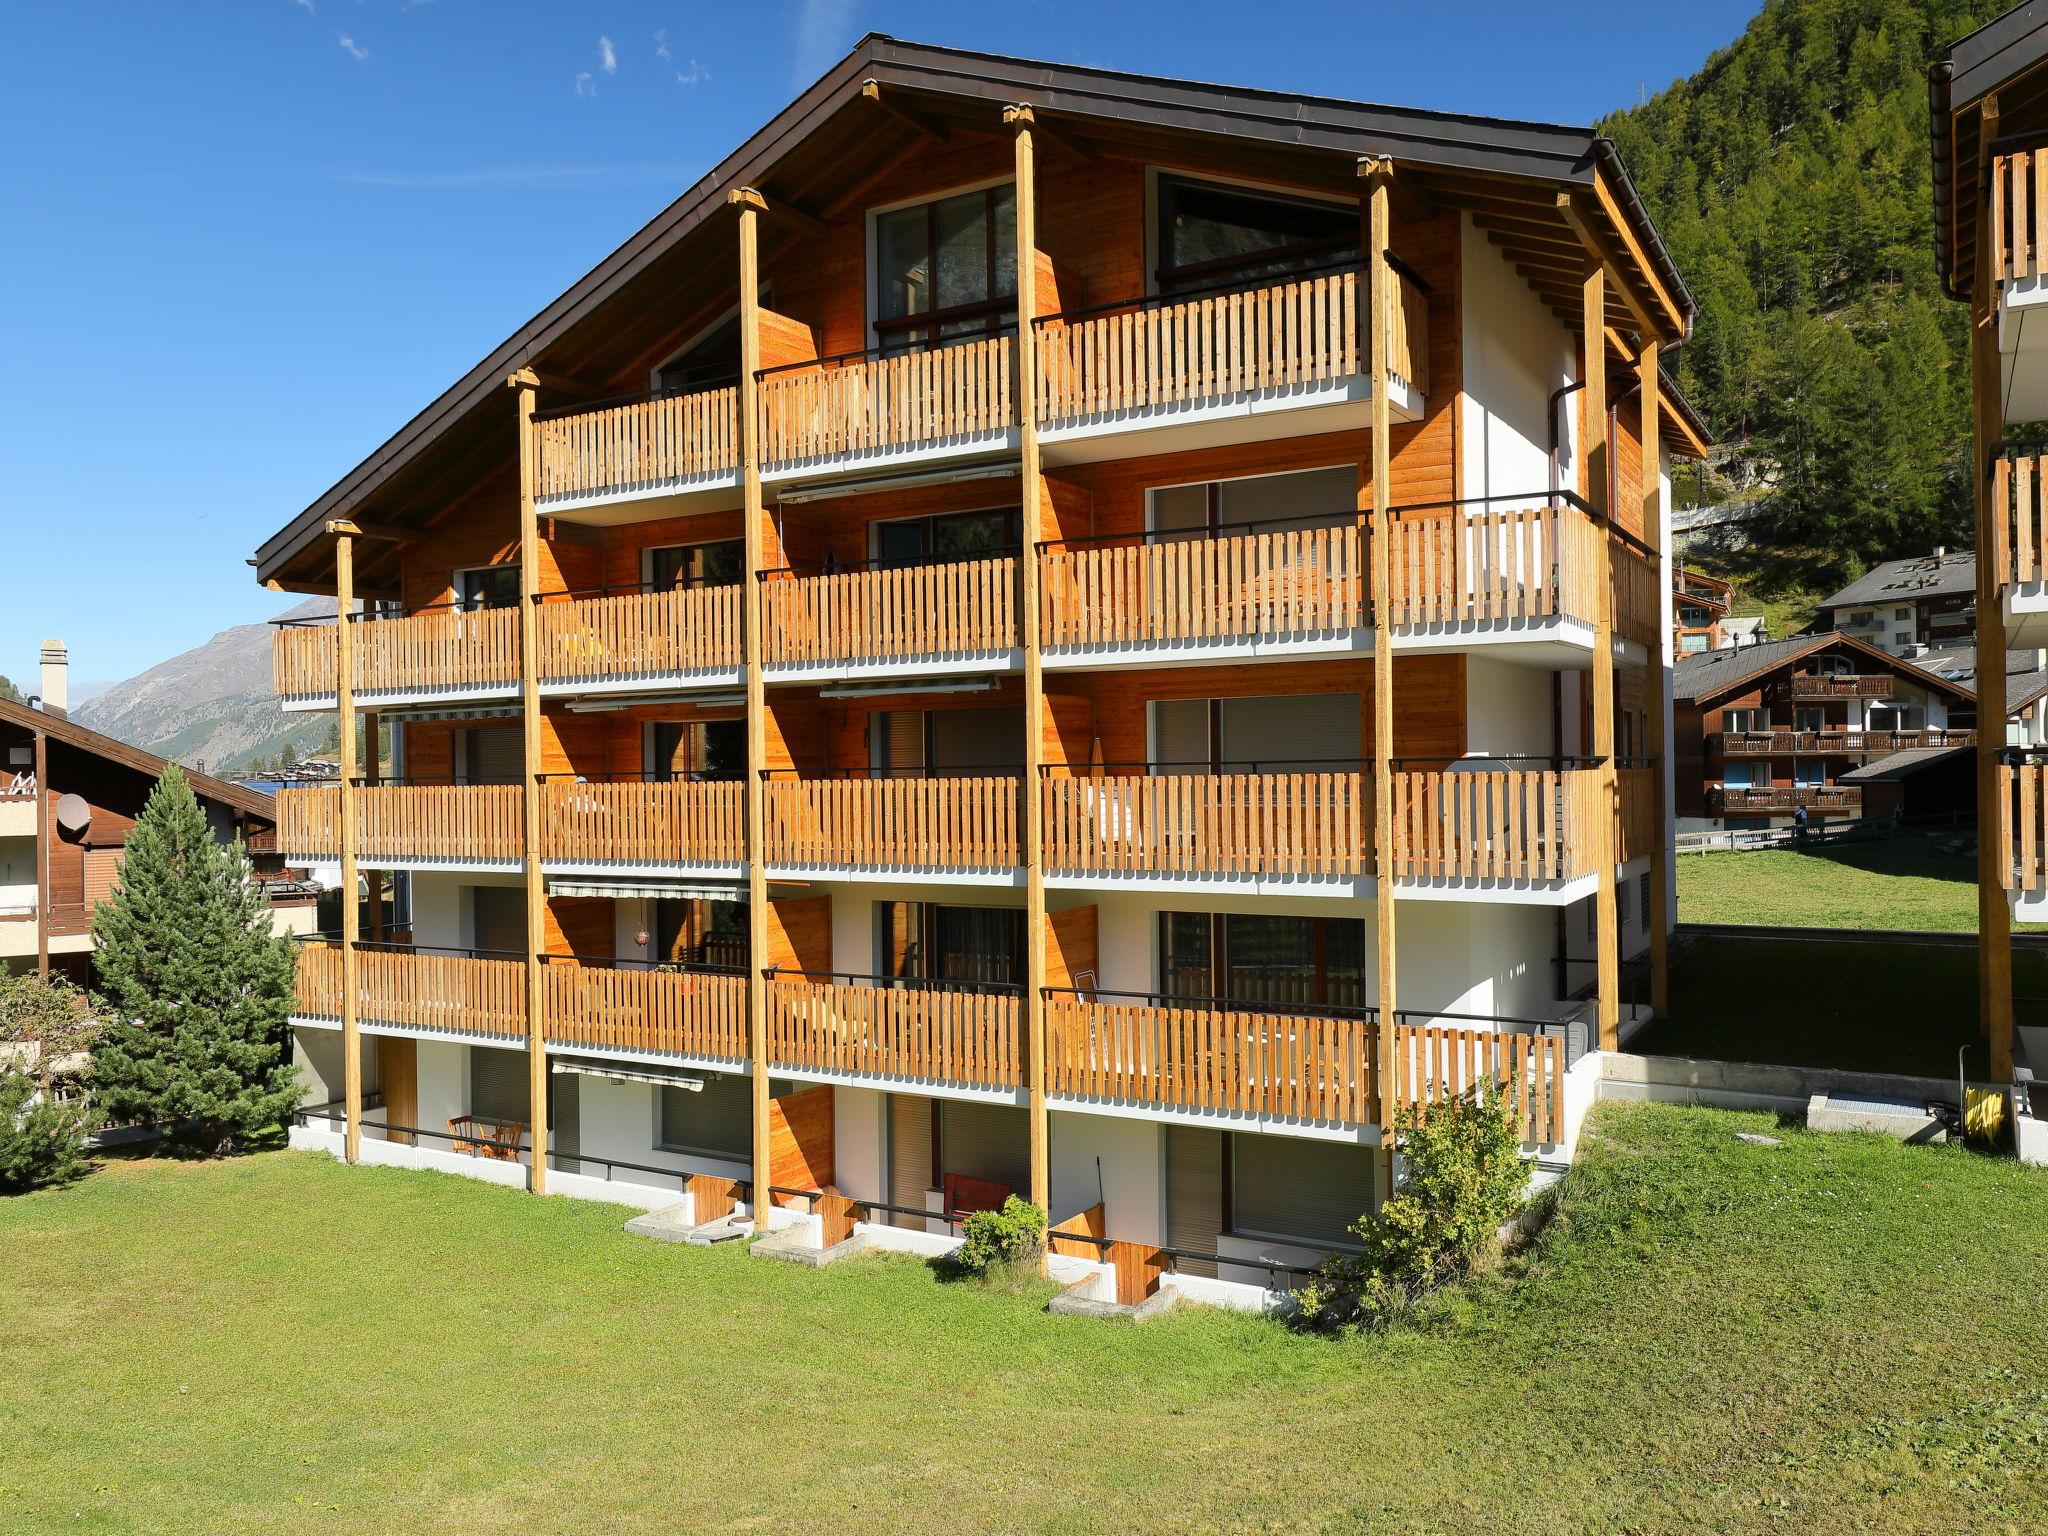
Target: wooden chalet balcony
[2018, 222]
[1290, 582]
[1146, 354]
[651, 1010]
[632, 821]
[467, 823]
[1782, 799]
[894, 823]
[2019, 509]
[876, 613]
[638, 445]
[1495, 824]
[2023, 825]
[1846, 742]
[868, 404]
[1850, 686]
[1274, 824]
[606, 637]
[1434, 1061]
[964, 1033]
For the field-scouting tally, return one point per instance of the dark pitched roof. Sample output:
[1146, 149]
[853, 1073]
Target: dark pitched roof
[57, 728]
[1711, 674]
[1901, 765]
[1908, 580]
[2025, 681]
[1965, 72]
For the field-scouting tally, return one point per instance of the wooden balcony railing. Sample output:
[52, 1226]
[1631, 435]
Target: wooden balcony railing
[1497, 565]
[2019, 512]
[2018, 226]
[870, 404]
[637, 1008]
[635, 822]
[640, 445]
[2023, 824]
[1216, 1058]
[934, 1032]
[1636, 832]
[1838, 687]
[1783, 799]
[1433, 1062]
[478, 822]
[436, 648]
[912, 610]
[639, 634]
[1495, 824]
[1291, 582]
[943, 823]
[1232, 823]
[1848, 743]
[418, 990]
[1638, 609]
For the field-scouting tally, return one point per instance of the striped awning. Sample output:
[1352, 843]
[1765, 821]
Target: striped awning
[673, 890]
[408, 713]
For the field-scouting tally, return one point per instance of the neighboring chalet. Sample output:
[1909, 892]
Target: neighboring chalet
[68, 797]
[893, 702]
[1823, 723]
[1907, 606]
[1699, 609]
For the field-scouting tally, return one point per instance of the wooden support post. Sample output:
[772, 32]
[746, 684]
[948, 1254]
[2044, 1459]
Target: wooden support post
[1379, 175]
[1649, 386]
[1994, 843]
[351, 912]
[751, 205]
[531, 782]
[42, 854]
[1021, 120]
[1593, 402]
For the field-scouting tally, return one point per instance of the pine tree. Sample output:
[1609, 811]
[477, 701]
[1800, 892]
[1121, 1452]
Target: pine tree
[196, 987]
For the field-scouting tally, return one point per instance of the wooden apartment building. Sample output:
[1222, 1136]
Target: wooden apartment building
[1026, 634]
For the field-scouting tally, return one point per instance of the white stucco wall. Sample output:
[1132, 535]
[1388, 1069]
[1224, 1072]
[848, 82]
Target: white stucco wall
[437, 910]
[1516, 353]
[1507, 708]
[622, 1120]
[1490, 958]
[859, 1157]
[1132, 1181]
[443, 1072]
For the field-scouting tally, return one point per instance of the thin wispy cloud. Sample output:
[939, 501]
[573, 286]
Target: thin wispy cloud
[351, 47]
[661, 47]
[304, 5]
[586, 84]
[696, 74]
[824, 31]
[488, 177]
[607, 56]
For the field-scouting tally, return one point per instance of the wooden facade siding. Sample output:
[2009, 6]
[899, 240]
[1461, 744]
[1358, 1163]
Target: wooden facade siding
[1293, 582]
[670, 821]
[638, 445]
[944, 823]
[1434, 1062]
[970, 1038]
[913, 610]
[1250, 1062]
[1246, 823]
[660, 1012]
[678, 630]
[1494, 824]
[1637, 832]
[456, 993]
[960, 390]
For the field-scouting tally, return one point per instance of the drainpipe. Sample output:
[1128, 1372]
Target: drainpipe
[1557, 435]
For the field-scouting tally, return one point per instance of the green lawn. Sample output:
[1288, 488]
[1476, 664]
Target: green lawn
[1832, 1335]
[1912, 880]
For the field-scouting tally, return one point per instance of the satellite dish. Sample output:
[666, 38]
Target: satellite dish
[73, 814]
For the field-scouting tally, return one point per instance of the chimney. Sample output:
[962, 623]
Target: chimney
[1940, 551]
[56, 679]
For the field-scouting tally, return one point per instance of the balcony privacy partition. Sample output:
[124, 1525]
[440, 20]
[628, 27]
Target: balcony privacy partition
[2019, 509]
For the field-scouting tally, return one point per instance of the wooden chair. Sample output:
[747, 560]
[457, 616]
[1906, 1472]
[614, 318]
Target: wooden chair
[484, 1137]
[965, 1195]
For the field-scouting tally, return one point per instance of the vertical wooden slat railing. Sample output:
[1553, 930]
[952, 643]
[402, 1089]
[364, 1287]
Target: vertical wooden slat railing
[461, 994]
[1408, 334]
[2019, 502]
[942, 823]
[1434, 1062]
[910, 610]
[1498, 565]
[2018, 226]
[436, 648]
[1280, 336]
[1494, 824]
[953, 1036]
[1302, 1066]
[638, 445]
[1294, 581]
[665, 1012]
[1231, 823]
[405, 821]
[899, 400]
[1637, 830]
[677, 630]
[643, 822]
[2023, 824]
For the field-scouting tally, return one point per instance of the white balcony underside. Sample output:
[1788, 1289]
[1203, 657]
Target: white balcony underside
[731, 1066]
[609, 870]
[1002, 878]
[1219, 1119]
[886, 668]
[2023, 348]
[2026, 611]
[622, 685]
[869, 461]
[644, 502]
[1341, 405]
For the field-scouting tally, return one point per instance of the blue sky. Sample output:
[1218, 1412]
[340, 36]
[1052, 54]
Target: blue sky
[246, 239]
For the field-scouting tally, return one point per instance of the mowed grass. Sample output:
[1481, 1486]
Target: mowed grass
[1917, 880]
[1830, 1335]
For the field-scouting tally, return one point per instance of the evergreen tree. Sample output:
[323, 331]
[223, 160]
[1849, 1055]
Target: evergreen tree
[196, 986]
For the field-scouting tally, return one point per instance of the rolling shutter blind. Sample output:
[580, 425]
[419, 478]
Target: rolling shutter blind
[497, 1084]
[966, 740]
[896, 738]
[910, 1155]
[986, 1141]
[1180, 735]
[102, 869]
[718, 1121]
[493, 754]
[1289, 500]
[1324, 732]
[1194, 1194]
[1306, 1191]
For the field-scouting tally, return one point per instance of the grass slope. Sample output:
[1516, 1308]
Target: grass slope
[1817, 1337]
[1914, 880]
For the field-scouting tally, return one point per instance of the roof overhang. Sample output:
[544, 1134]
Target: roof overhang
[1974, 67]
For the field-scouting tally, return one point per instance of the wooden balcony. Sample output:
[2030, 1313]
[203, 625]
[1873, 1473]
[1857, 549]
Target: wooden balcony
[608, 638]
[1495, 824]
[408, 989]
[638, 446]
[2023, 825]
[891, 823]
[1274, 824]
[1846, 743]
[2019, 512]
[1293, 583]
[2018, 223]
[952, 608]
[935, 1032]
[643, 822]
[1149, 354]
[1838, 686]
[1433, 1062]
[1783, 799]
[869, 405]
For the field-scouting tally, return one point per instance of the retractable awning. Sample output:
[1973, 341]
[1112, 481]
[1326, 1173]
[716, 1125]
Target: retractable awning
[638, 1072]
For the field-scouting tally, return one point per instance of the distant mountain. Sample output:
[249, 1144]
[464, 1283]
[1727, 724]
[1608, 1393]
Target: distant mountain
[212, 707]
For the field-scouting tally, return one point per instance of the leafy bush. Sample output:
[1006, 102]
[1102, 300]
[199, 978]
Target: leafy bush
[50, 1014]
[998, 1238]
[42, 1139]
[1464, 1177]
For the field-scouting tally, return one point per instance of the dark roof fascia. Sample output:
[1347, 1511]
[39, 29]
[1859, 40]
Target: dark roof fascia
[1539, 151]
[71, 733]
[1967, 71]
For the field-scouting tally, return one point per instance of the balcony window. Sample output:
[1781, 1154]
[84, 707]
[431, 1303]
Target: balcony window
[1746, 719]
[698, 931]
[946, 268]
[1210, 234]
[1256, 504]
[488, 586]
[1809, 774]
[489, 754]
[928, 941]
[945, 536]
[712, 361]
[1692, 645]
[946, 743]
[718, 564]
[1299, 1191]
[715, 1121]
[1809, 718]
[698, 749]
[1297, 733]
[1295, 962]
